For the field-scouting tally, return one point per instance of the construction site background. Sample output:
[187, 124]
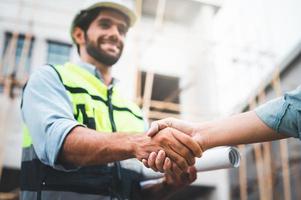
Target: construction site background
[191, 59]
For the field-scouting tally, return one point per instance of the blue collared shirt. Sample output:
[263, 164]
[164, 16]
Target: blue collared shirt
[48, 112]
[283, 114]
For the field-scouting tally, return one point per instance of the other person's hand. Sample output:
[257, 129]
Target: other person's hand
[180, 148]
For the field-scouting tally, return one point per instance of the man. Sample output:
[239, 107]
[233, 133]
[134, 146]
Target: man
[277, 119]
[70, 110]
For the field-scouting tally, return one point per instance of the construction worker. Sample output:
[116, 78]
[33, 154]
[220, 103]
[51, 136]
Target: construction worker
[277, 119]
[70, 111]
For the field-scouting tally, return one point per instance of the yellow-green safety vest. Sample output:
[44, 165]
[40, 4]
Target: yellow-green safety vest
[98, 107]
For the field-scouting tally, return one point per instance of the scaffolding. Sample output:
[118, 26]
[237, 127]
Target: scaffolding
[16, 75]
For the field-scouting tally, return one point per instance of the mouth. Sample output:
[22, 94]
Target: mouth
[111, 47]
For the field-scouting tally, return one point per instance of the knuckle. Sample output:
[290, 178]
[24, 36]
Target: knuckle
[168, 119]
[169, 123]
[191, 161]
[164, 137]
[168, 130]
[186, 152]
[182, 163]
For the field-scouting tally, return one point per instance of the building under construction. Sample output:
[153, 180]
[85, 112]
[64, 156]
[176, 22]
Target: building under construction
[174, 66]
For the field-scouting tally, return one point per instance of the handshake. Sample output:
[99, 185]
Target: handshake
[171, 148]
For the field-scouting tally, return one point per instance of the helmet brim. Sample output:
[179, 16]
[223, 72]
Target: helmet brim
[123, 9]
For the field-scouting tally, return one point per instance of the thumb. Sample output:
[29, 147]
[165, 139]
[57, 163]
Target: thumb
[156, 126]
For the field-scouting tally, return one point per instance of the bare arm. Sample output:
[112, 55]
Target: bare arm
[85, 146]
[242, 128]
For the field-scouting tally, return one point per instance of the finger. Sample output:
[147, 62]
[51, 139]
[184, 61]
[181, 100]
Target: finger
[174, 149]
[159, 162]
[192, 174]
[192, 145]
[167, 164]
[176, 170]
[144, 161]
[176, 174]
[156, 126]
[151, 161]
[183, 126]
[178, 159]
[181, 152]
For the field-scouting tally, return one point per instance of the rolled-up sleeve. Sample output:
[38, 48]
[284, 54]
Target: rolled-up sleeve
[283, 114]
[48, 114]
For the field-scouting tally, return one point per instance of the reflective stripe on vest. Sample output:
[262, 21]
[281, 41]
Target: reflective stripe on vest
[97, 107]
[90, 95]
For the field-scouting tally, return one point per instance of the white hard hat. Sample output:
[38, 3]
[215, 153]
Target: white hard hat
[127, 7]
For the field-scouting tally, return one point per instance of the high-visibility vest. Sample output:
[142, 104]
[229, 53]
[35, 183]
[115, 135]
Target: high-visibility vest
[98, 107]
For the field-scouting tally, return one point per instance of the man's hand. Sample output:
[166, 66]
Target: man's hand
[161, 162]
[172, 182]
[182, 179]
[189, 128]
[180, 148]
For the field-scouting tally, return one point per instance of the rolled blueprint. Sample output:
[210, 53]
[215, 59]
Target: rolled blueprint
[212, 159]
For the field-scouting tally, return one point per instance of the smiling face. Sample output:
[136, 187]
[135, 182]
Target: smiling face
[104, 39]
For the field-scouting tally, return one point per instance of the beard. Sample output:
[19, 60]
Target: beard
[96, 52]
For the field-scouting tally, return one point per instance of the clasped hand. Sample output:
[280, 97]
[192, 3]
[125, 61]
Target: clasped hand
[179, 149]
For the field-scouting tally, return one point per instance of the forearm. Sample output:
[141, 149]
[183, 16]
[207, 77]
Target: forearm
[238, 129]
[85, 146]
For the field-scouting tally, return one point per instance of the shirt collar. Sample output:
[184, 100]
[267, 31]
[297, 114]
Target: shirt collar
[93, 70]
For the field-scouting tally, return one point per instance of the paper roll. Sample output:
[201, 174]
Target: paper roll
[212, 159]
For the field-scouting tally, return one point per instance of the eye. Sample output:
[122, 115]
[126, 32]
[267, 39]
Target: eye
[105, 24]
[122, 30]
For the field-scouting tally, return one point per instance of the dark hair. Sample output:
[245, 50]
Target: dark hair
[84, 19]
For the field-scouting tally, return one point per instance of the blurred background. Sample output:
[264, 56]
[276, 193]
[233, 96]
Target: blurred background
[192, 59]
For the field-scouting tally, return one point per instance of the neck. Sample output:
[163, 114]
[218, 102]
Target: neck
[103, 69]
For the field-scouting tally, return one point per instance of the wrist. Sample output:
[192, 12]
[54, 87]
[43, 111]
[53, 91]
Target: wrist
[201, 135]
[136, 145]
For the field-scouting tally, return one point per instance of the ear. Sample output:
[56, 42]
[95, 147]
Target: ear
[79, 36]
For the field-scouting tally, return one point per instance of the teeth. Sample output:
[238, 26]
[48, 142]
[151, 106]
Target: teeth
[112, 44]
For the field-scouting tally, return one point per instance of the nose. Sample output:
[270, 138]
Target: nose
[114, 33]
